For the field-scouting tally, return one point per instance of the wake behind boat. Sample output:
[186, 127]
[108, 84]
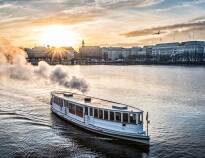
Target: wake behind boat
[101, 116]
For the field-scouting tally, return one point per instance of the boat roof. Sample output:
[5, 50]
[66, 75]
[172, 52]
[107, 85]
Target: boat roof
[95, 102]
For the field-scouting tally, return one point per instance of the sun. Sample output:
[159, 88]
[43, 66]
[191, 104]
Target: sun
[58, 36]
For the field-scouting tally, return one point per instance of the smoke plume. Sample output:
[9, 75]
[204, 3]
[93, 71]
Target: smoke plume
[13, 65]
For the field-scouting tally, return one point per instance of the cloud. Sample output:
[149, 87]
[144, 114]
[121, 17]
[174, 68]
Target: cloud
[99, 18]
[6, 6]
[179, 5]
[53, 12]
[61, 18]
[198, 19]
[165, 29]
[113, 4]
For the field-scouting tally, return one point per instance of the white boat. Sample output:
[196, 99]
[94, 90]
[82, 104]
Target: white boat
[101, 116]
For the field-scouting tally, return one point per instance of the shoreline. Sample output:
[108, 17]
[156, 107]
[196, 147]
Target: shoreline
[128, 64]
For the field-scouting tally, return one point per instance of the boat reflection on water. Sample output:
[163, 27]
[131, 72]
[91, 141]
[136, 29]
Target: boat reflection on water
[86, 144]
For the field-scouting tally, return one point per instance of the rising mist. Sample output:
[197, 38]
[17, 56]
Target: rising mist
[13, 65]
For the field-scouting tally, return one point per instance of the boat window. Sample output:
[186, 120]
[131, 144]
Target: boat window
[86, 110]
[96, 113]
[56, 100]
[91, 111]
[118, 116]
[140, 118]
[72, 108]
[132, 118]
[125, 117]
[79, 111]
[61, 102]
[105, 115]
[101, 114]
[111, 116]
[66, 103]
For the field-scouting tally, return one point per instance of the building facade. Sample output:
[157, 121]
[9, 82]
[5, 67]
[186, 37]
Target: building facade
[191, 51]
[52, 55]
[165, 53]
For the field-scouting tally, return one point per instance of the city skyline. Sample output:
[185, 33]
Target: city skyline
[101, 22]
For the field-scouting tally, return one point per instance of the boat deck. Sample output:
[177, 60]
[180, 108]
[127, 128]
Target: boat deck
[96, 102]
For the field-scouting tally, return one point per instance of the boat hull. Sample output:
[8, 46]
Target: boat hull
[139, 139]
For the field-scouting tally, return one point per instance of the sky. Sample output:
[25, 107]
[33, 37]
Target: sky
[126, 23]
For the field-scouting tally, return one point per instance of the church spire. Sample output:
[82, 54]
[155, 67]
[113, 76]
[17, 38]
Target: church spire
[83, 43]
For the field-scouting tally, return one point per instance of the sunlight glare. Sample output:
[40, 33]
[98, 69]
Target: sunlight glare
[59, 36]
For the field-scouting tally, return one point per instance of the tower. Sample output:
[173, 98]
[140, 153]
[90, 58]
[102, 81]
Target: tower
[83, 43]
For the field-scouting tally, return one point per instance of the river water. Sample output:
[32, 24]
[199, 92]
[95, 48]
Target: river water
[173, 95]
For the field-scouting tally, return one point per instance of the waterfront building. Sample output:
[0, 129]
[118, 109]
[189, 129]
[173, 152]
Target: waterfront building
[148, 56]
[190, 51]
[114, 53]
[90, 53]
[105, 52]
[67, 55]
[141, 56]
[52, 55]
[163, 52]
[134, 51]
[126, 52]
[37, 54]
[137, 55]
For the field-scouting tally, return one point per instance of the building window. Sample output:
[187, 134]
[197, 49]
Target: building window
[133, 118]
[105, 115]
[125, 117]
[79, 111]
[91, 111]
[111, 116]
[118, 116]
[96, 113]
[101, 114]
[72, 108]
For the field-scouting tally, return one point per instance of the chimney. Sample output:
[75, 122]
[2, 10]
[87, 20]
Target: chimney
[87, 99]
[68, 94]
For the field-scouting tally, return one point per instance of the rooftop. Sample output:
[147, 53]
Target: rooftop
[95, 102]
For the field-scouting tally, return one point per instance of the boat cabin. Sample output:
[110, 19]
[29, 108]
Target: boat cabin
[84, 106]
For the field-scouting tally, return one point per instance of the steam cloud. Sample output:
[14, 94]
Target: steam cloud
[13, 65]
